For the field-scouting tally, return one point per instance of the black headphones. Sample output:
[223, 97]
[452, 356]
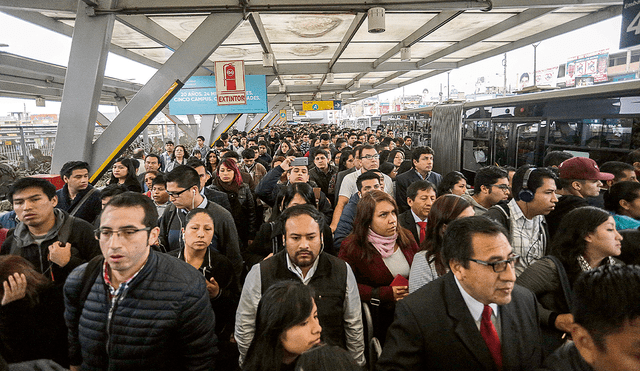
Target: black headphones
[525, 193]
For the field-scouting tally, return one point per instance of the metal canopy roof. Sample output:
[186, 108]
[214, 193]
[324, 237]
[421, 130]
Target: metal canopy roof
[309, 40]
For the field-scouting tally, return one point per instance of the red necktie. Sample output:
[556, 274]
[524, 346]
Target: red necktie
[490, 335]
[423, 230]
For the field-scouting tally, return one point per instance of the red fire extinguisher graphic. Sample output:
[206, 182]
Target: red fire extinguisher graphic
[230, 76]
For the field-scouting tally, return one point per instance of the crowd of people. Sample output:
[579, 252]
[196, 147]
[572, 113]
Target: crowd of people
[261, 251]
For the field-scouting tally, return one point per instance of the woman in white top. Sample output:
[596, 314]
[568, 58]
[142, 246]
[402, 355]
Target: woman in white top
[428, 264]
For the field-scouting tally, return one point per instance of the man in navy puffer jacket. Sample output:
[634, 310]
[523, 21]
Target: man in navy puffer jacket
[145, 310]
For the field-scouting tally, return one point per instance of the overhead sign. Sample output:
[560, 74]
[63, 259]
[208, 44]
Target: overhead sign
[198, 97]
[588, 67]
[322, 105]
[630, 32]
[230, 86]
[283, 113]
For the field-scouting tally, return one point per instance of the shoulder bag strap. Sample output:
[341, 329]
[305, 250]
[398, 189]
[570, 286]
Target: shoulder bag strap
[75, 209]
[564, 280]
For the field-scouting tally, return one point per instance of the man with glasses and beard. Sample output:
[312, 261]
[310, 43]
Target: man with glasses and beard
[303, 259]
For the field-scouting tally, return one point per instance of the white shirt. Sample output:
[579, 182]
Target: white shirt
[476, 308]
[397, 264]
[527, 237]
[348, 187]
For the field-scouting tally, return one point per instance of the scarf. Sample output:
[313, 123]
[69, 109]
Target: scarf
[227, 187]
[384, 245]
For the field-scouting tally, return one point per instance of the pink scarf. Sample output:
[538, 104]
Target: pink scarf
[384, 245]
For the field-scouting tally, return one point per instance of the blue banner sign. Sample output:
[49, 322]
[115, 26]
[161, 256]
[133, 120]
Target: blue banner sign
[198, 97]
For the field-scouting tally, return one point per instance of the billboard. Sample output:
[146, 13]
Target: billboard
[630, 31]
[198, 97]
[588, 67]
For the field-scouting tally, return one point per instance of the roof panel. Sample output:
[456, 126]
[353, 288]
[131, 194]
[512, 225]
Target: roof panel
[466, 25]
[412, 74]
[398, 27]
[379, 75]
[292, 28]
[181, 27]
[366, 50]
[535, 26]
[125, 37]
[303, 51]
[425, 49]
[244, 52]
[476, 49]
[159, 55]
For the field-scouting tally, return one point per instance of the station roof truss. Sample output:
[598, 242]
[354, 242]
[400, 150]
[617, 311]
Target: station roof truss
[308, 40]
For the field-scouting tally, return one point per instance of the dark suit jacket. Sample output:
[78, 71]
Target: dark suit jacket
[339, 179]
[433, 330]
[404, 180]
[406, 221]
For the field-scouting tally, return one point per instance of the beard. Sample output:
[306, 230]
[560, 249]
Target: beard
[304, 259]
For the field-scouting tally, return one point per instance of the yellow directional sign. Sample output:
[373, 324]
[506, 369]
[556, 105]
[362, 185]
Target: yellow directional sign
[283, 113]
[321, 105]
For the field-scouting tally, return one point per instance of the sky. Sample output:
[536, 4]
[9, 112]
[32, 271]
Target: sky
[32, 41]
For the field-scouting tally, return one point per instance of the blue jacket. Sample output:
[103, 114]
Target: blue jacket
[345, 225]
[161, 321]
[89, 210]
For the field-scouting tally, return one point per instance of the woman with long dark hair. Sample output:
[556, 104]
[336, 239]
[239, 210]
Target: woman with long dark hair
[379, 250]
[622, 200]
[586, 239]
[268, 240]
[427, 263]
[452, 183]
[243, 208]
[31, 314]
[124, 172]
[285, 146]
[218, 273]
[211, 162]
[178, 157]
[286, 326]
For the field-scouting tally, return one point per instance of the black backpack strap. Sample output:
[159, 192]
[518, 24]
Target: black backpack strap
[65, 229]
[564, 280]
[79, 204]
[91, 272]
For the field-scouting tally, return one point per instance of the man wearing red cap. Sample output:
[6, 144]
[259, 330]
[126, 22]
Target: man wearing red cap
[580, 178]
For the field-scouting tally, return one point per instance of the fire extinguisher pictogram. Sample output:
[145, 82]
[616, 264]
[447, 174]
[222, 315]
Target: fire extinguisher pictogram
[230, 76]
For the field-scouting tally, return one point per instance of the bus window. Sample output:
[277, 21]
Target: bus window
[616, 133]
[501, 144]
[475, 154]
[528, 147]
[476, 129]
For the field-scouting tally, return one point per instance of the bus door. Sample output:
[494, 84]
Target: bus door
[529, 143]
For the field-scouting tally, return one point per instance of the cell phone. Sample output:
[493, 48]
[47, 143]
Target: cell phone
[300, 161]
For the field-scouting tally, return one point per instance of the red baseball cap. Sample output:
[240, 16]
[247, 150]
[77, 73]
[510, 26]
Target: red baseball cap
[582, 168]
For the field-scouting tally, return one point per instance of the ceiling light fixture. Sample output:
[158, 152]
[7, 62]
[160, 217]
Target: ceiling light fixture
[330, 78]
[376, 20]
[405, 54]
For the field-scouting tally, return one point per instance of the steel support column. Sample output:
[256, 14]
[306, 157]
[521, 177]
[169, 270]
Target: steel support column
[259, 117]
[224, 125]
[206, 128]
[272, 114]
[161, 87]
[83, 87]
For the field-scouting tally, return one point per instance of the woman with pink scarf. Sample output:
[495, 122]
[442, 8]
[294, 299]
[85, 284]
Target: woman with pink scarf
[380, 252]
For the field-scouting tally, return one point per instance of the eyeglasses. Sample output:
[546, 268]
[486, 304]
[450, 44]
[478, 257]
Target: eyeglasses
[503, 187]
[105, 234]
[499, 266]
[177, 194]
[371, 157]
